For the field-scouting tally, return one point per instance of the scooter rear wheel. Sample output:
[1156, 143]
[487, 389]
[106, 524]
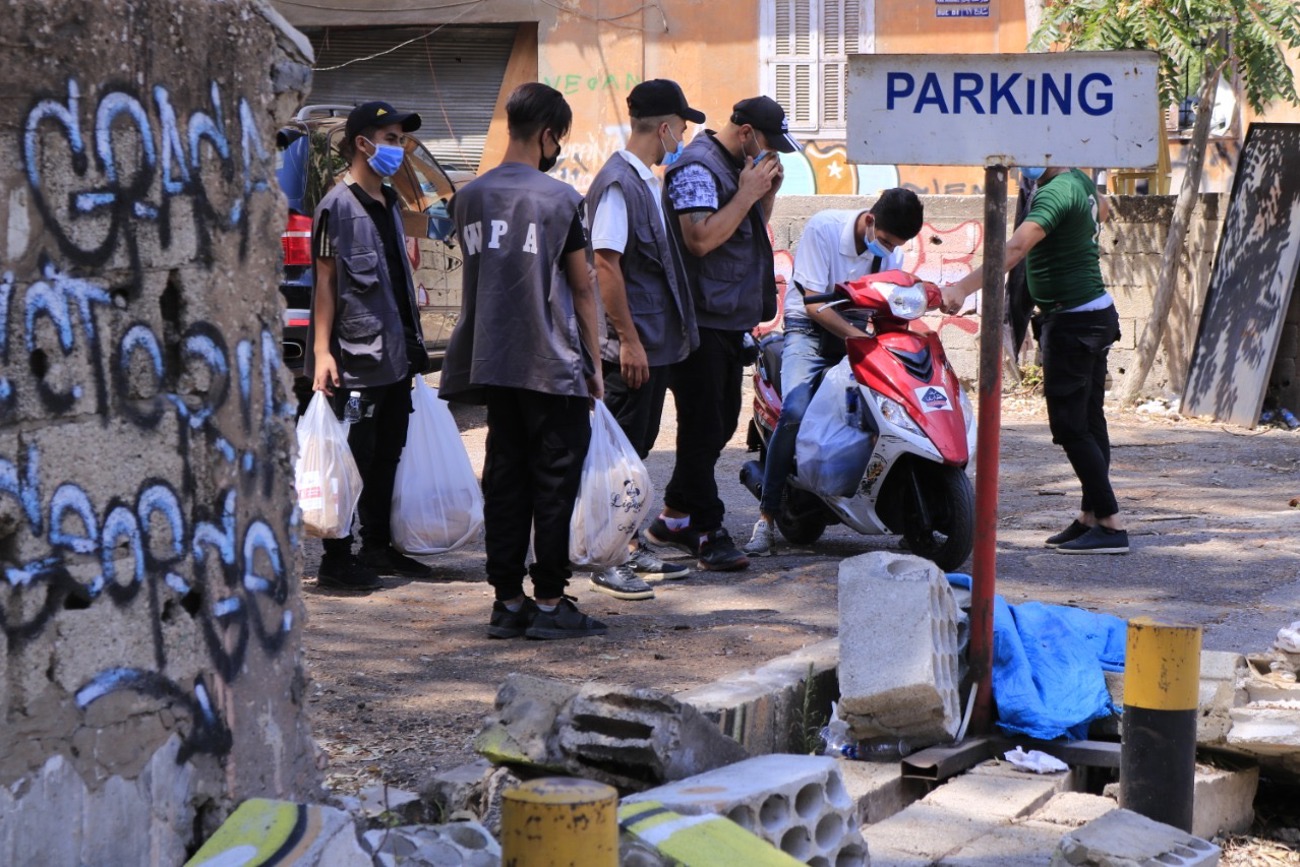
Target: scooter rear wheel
[801, 519]
[949, 535]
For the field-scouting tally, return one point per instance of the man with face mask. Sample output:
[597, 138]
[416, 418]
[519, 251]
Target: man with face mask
[835, 247]
[527, 344]
[719, 197]
[364, 336]
[649, 317]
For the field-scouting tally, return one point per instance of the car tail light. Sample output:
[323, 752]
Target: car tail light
[296, 240]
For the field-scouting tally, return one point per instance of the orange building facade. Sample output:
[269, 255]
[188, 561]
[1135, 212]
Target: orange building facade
[595, 51]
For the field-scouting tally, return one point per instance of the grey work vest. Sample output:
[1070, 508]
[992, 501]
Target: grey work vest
[734, 286]
[367, 339]
[517, 325]
[657, 297]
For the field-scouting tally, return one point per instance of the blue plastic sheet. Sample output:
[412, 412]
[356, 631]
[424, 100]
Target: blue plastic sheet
[1048, 666]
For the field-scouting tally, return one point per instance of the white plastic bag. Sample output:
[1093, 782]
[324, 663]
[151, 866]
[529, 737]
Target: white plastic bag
[437, 499]
[832, 449]
[325, 475]
[615, 497]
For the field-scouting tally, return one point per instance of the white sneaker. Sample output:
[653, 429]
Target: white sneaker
[763, 541]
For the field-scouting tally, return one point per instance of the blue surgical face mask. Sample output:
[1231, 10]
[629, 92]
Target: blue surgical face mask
[875, 248]
[1033, 173]
[673, 156]
[386, 159]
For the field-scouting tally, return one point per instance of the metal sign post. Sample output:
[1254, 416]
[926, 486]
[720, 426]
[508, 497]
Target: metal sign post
[1096, 109]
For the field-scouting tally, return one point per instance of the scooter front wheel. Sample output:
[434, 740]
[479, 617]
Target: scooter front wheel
[939, 521]
[802, 518]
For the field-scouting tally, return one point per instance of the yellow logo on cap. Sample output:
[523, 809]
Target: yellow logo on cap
[381, 112]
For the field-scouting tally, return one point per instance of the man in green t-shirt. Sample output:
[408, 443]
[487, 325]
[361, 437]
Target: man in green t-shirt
[1075, 325]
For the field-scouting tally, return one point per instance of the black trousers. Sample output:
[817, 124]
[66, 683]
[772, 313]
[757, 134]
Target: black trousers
[536, 444]
[1075, 347]
[706, 388]
[638, 411]
[376, 441]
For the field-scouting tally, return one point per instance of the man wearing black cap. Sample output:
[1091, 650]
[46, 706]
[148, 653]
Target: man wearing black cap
[649, 316]
[364, 338]
[719, 198]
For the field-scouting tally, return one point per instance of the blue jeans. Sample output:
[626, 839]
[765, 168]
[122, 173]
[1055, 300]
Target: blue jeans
[802, 366]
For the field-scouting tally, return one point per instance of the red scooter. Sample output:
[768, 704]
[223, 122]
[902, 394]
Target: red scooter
[885, 450]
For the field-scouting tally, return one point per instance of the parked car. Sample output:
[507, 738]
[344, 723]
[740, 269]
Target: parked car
[308, 165]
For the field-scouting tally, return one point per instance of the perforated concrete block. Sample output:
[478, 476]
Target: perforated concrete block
[456, 844]
[1122, 838]
[797, 803]
[898, 648]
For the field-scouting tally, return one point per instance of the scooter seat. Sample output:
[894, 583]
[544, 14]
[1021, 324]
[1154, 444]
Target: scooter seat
[769, 355]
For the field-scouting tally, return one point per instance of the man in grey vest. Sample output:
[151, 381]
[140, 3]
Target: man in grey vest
[527, 345]
[719, 197]
[364, 341]
[649, 315]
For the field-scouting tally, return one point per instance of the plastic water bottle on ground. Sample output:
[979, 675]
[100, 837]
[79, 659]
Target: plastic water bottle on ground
[1291, 421]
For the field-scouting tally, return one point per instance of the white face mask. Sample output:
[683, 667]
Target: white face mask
[672, 156]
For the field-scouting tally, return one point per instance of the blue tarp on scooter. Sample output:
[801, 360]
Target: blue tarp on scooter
[1048, 664]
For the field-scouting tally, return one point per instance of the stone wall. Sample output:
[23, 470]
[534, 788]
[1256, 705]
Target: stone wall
[951, 245]
[151, 672]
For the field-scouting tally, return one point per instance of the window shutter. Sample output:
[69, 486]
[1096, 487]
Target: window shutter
[795, 61]
[841, 36]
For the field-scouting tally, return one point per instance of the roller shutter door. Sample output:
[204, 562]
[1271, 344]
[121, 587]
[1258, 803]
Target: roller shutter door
[451, 77]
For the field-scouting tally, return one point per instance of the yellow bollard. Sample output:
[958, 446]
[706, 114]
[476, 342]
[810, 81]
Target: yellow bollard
[1162, 673]
[559, 821]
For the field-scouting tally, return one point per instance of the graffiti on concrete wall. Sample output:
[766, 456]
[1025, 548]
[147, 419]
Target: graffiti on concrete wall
[571, 83]
[121, 184]
[581, 159]
[823, 168]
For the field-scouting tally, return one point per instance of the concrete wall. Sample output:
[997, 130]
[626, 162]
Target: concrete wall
[951, 245]
[150, 672]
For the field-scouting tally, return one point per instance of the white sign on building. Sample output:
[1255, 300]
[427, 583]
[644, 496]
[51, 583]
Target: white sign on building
[1081, 108]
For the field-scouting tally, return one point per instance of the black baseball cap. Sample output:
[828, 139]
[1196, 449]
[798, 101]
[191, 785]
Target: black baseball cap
[378, 113]
[766, 115]
[660, 96]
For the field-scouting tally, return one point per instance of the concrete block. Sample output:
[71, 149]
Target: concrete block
[1024, 845]
[763, 708]
[1122, 838]
[459, 790]
[284, 834]
[997, 792]
[923, 831]
[898, 648]
[797, 803]
[876, 788]
[1222, 674]
[1073, 809]
[458, 844]
[1223, 800]
[702, 840]
[524, 716]
[633, 738]
[388, 804]
[1265, 731]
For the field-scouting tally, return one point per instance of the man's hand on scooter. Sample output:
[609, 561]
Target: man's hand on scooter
[953, 298]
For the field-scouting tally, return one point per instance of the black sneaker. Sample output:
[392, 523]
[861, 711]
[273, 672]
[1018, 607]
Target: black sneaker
[687, 539]
[719, 554]
[511, 624]
[1098, 540]
[643, 563]
[621, 583]
[1069, 534]
[388, 561]
[346, 572]
[566, 621]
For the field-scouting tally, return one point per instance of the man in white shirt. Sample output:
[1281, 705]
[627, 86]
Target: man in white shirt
[835, 247]
[650, 319]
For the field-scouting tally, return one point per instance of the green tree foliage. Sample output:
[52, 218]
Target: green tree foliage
[1195, 40]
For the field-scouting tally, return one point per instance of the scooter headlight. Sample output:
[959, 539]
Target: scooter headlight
[905, 302]
[896, 414]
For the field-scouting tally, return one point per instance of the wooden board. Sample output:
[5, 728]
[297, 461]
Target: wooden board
[1250, 288]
